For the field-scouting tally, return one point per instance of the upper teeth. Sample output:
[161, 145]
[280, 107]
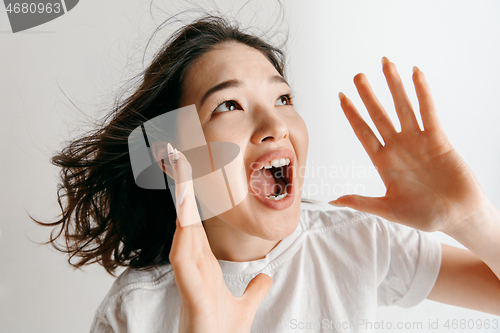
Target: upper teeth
[277, 163]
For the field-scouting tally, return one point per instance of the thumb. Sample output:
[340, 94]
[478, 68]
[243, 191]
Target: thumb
[377, 206]
[257, 289]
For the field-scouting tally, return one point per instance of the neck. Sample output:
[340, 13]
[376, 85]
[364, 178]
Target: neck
[230, 244]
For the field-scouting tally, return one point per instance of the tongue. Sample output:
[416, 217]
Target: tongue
[263, 182]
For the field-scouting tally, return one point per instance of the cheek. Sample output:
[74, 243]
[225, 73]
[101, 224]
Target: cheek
[234, 133]
[222, 131]
[228, 131]
[300, 141]
[299, 137]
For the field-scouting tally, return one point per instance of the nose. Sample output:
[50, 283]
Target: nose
[269, 125]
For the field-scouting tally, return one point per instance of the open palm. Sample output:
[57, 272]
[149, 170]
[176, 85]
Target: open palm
[429, 186]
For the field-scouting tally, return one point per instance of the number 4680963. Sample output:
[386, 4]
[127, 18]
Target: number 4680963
[33, 8]
[471, 324]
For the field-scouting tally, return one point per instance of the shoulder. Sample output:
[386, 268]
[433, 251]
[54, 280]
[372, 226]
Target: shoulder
[320, 220]
[135, 278]
[138, 289]
[349, 227]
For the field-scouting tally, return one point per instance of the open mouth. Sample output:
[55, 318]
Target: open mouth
[271, 177]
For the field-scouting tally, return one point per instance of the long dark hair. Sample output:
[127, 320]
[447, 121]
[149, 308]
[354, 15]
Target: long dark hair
[106, 217]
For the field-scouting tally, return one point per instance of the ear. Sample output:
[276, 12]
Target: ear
[161, 156]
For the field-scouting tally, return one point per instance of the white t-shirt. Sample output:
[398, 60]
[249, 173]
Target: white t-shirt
[329, 275]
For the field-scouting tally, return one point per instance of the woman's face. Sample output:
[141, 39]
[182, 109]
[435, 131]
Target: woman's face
[254, 112]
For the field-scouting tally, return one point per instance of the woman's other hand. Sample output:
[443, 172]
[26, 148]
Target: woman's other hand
[429, 186]
[207, 304]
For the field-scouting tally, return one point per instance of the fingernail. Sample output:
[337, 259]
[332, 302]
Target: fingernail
[170, 151]
[335, 204]
[176, 155]
[341, 96]
[385, 60]
[415, 69]
[182, 195]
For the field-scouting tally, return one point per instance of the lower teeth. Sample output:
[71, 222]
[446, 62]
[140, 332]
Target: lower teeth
[277, 197]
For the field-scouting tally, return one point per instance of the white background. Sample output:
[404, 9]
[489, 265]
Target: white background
[92, 50]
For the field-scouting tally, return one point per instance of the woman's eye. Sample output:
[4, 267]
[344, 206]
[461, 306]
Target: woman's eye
[283, 100]
[227, 106]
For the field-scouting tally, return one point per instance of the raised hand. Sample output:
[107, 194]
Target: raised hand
[429, 186]
[207, 304]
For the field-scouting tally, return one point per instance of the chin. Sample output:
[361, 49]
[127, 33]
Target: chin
[278, 231]
[274, 224]
[253, 219]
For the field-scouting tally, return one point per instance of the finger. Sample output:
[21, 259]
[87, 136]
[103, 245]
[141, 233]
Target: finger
[361, 129]
[401, 101]
[184, 190]
[377, 206]
[190, 240]
[160, 152]
[428, 110]
[256, 290]
[182, 172]
[190, 245]
[375, 109]
[190, 253]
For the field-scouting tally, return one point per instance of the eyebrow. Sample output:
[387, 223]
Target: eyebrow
[278, 79]
[221, 86]
[237, 83]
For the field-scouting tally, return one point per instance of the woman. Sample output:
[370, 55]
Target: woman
[335, 265]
